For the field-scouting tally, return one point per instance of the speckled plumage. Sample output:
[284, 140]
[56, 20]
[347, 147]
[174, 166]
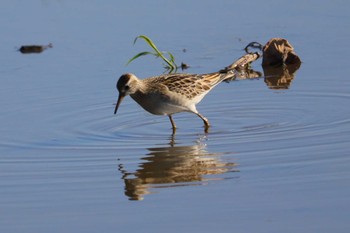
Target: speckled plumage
[171, 93]
[188, 85]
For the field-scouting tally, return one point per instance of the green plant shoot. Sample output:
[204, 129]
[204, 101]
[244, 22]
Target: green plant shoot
[171, 65]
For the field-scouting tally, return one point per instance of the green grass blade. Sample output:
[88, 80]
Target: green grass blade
[157, 52]
[170, 63]
[140, 55]
[172, 58]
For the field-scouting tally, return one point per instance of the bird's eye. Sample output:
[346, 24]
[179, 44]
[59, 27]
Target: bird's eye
[126, 87]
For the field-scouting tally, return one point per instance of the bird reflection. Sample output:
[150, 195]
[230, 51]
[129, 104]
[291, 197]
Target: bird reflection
[172, 166]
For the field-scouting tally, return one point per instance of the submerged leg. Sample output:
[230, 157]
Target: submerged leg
[206, 122]
[172, 123]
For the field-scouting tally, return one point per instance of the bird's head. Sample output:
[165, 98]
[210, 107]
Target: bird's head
[126, 85]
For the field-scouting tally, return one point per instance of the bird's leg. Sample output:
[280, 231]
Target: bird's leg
[172, 123]
[206, 122]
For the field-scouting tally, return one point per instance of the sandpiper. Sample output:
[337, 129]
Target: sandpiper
[171, 93]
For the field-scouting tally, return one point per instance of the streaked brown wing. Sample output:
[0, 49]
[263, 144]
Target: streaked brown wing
[191, 85]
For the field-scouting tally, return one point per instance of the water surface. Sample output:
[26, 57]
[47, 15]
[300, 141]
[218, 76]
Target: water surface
[275, 159]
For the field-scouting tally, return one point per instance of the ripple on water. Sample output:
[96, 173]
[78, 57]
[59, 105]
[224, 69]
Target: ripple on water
[288, 116]
[235, 116]
[148, 156]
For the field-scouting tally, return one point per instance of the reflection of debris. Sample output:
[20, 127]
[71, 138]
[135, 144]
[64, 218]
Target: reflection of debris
[242, 67]
[248, 74]
[280, 77]
[34, 48]
[278, 51]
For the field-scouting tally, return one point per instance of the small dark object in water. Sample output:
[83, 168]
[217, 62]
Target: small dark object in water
[34, 48]
[184, 66]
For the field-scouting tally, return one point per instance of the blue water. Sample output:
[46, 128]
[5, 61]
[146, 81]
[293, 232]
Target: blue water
[274, 160]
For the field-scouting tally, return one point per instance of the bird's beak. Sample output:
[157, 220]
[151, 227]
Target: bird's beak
[120, 98]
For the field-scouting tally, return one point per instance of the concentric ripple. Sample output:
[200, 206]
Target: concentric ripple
[268, 122]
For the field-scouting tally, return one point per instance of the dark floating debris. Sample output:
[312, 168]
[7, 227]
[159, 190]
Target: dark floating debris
[242, 67]
[255, 45]
[279, 64]
[34, 48]
[243, 62]
[279, 51]
[184, 66]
